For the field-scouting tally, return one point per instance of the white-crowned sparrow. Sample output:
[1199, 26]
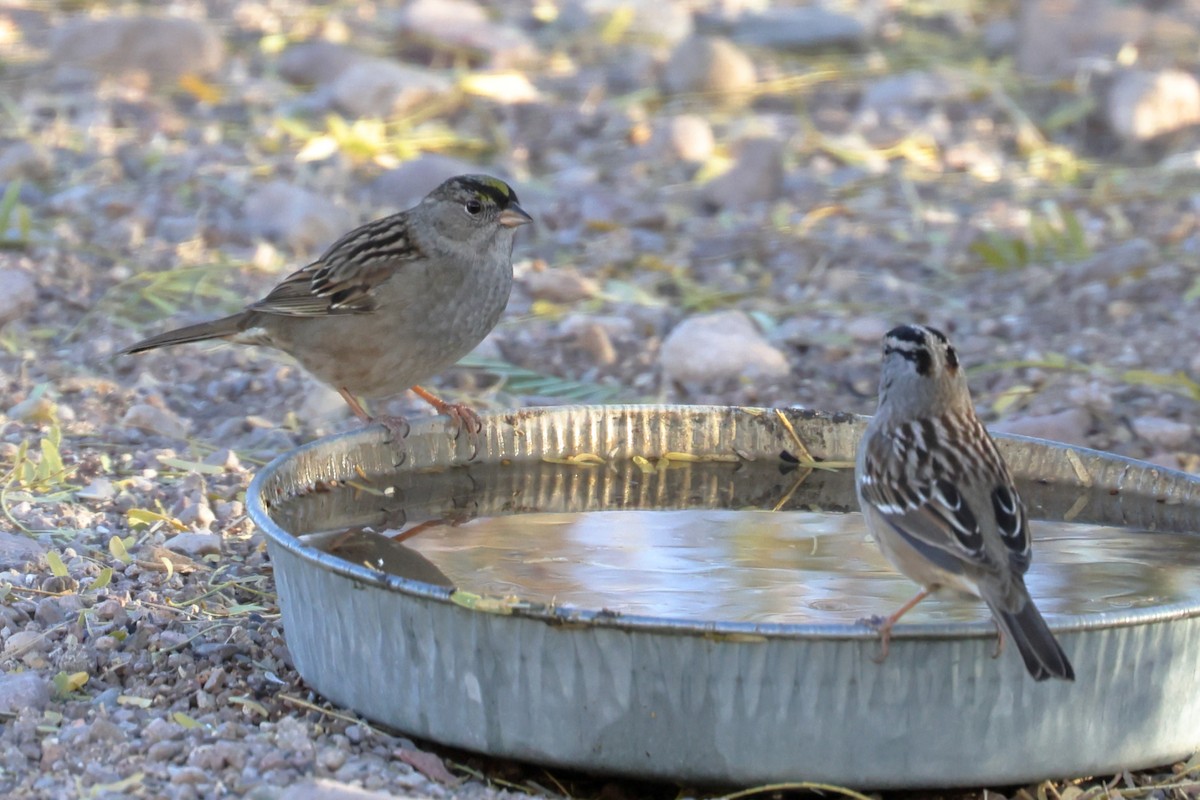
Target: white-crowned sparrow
[939, 499]
[392, 303]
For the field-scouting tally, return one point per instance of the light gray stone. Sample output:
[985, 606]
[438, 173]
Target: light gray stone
[295, 216]
[709, 65]
[380, 87]
[459, 25]
[914, 87]
[23, 690]
[719, 347]
[17, 550]
[326, 789]
[316, 63]
[756, 176]
[1144, 105]
[560, 285]
[404, 186]
[194, 544]
[801, 28]
[1165, 433]
[165, 48]
[153, 419]
[18, 294]
[1069, 426]
[690, 138]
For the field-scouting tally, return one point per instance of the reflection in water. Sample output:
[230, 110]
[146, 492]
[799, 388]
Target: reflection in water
[744, 542]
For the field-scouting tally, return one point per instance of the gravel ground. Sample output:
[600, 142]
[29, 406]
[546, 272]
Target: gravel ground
[734, 200]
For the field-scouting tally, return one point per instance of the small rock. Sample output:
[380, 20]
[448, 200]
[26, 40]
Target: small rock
[326, 789]
[691, 138]
[709, 65]
[653, 20]
[160, 730]
[801, 28]
[379, 87]
[153, 419]
[97, 489]
[1144, 105]
[915, 87]
[1069, 426]
[165, 48]
[463, 25]
[1167, 434]
[718, 347]
[25, 160]
[21, 642]
[1120, 261]
[18, 294]
[404, 186]
[302, 219]
[23, 690]
[197, 515]
[868, 330]
[755, 177]
[999, 37]
[105, 731]
[316, 63]
[560, 285]
[17, 550]
[195, 544]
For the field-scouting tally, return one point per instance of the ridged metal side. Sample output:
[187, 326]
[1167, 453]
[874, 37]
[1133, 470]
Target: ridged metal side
[728, 702]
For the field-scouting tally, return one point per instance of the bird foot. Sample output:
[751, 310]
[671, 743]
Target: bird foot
[882, 626]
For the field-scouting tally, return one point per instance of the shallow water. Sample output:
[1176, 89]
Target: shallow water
[704, 543]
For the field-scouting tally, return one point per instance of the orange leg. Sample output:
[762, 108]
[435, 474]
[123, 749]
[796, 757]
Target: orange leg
[884, 626]
[463, 417]
[397, 426]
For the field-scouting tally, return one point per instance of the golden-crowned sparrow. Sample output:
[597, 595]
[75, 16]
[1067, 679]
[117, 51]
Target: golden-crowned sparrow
[392, 303]
[939, 499]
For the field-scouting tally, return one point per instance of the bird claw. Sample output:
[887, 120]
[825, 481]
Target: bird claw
[882, 626]
[464, 419]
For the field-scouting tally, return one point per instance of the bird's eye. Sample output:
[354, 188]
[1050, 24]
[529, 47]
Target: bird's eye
[474, 207]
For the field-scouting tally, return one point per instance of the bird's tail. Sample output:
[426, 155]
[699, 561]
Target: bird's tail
[1044, 657]
[214, 329]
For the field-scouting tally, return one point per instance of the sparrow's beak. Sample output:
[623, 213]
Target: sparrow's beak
[514, 216]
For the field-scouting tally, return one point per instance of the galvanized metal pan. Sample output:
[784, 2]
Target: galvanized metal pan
[718, 702]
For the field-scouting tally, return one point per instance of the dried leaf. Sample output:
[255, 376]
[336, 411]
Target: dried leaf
[57, 568]
[116, 546]
[428, 764]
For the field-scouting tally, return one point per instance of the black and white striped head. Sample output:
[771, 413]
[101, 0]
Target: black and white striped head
[921, 373]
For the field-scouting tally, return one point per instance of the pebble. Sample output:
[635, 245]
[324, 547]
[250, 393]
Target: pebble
[1164, 433]
[561, 285]
[194, 544]
[97, 489]
[912, 88]
[755, 177]
[316, 63]
[405, 185]
[464, 25]
[868, 330]
[21, 642]
[1069, 426]
[23, 690]
[1143, 105]
[153, 419]
[25, 160]
[801, 28]
[165, 48]
[18, 550]
[710, 65]
[298, 217]
[18, 294]
[380, 87]
[326, 789]
[691, 138]
[718, 347]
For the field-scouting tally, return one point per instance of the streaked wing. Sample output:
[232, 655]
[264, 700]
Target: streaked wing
[918, 491]
[344, 280]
